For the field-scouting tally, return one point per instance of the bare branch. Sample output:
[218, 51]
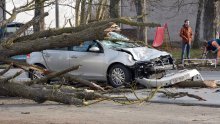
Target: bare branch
[9, 41]
[82, 81]
[6, 70]
[51, 75]
[4, 80]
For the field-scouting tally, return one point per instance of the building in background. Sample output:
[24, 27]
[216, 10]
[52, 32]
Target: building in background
[164, 12]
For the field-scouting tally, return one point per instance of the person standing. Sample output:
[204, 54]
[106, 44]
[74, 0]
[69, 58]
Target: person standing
[186, 35]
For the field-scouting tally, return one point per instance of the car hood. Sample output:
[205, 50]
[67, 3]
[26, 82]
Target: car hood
[145, 53]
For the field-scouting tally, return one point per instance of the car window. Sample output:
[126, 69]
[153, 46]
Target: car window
[114, 35]
[118, 44]
[84, 47]
[121, 42]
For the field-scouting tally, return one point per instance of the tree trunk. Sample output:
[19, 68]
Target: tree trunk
[100, 10]
[89, 11]
[208, 19]
[42, 94]
[48, 39]
[114, 8]
[83, 12]
[39, 10]
[196, 43]
[217, 17]
[139, 10]
[144, 12]
[52, 39]
[77, 11]
[9, 41]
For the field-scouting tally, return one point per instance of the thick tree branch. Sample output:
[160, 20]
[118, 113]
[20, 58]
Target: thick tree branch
[52, 75]
[70, 77]
[63, 40]
[6, 70]
[5, 80]
[48, 33]
[8, 42]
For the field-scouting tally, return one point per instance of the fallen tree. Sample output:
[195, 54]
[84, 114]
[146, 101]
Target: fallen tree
[38, 89]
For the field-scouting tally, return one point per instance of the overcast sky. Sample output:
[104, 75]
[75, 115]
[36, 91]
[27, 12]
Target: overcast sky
[65, 13]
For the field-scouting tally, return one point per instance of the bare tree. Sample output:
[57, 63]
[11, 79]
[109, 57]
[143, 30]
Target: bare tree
[101, 9]
[47, 39]
[39, 10]
[89, 11]
[196, 43]
[114, 8]
[77, 12]
[83, 12]
[208, 19]
[139, 10]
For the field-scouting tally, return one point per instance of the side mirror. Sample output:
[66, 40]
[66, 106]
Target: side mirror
[94, 49]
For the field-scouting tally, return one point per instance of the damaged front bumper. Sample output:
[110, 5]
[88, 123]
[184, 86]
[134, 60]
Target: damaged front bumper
[161, 68]
[170, 78]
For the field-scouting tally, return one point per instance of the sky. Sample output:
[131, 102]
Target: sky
[65, 13]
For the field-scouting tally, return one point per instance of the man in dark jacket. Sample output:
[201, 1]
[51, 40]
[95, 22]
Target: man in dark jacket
[186, 35]
[214, 46]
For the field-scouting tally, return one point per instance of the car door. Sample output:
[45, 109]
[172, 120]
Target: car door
[91, 62]
[56, 59]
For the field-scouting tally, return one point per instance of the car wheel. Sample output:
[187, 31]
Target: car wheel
[119, 75]
[34, 74]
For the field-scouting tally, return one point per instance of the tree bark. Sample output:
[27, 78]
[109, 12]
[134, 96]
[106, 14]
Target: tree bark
[141, 10]
[9, 41]
[77, 13]
[208, 19]
[39, 10]
[83, 12]
[216, 17]
[59, 38]
[100, 11]
[40, 95]
[89, 11]
[114, 8]
[196, 43]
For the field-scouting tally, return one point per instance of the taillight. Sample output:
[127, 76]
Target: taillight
[28, 56]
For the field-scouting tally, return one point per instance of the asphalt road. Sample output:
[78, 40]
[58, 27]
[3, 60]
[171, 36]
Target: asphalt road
[207, 75]
[210, 75]
[20, 111]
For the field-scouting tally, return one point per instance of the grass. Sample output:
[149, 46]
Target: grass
[194, 53]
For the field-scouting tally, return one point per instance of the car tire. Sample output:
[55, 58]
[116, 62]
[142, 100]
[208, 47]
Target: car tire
[34, 74]
[119, 75]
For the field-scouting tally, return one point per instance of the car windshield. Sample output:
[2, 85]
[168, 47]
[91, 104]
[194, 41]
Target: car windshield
[124, 43]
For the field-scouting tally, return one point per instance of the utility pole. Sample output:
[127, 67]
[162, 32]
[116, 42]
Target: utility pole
[57, 13]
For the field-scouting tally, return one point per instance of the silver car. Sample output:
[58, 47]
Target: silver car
[116, 61]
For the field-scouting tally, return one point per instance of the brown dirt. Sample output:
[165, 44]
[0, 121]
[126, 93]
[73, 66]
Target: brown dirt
[21, 111]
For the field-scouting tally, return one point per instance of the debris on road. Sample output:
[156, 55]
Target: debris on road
[171, 79]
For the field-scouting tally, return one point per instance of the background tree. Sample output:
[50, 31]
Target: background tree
[39, 10]
[208, 19]
[196, 43]
[141, 10]
[114, 8]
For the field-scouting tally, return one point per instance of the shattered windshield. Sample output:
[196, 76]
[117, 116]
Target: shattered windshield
[114, 35]
[124, 43]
